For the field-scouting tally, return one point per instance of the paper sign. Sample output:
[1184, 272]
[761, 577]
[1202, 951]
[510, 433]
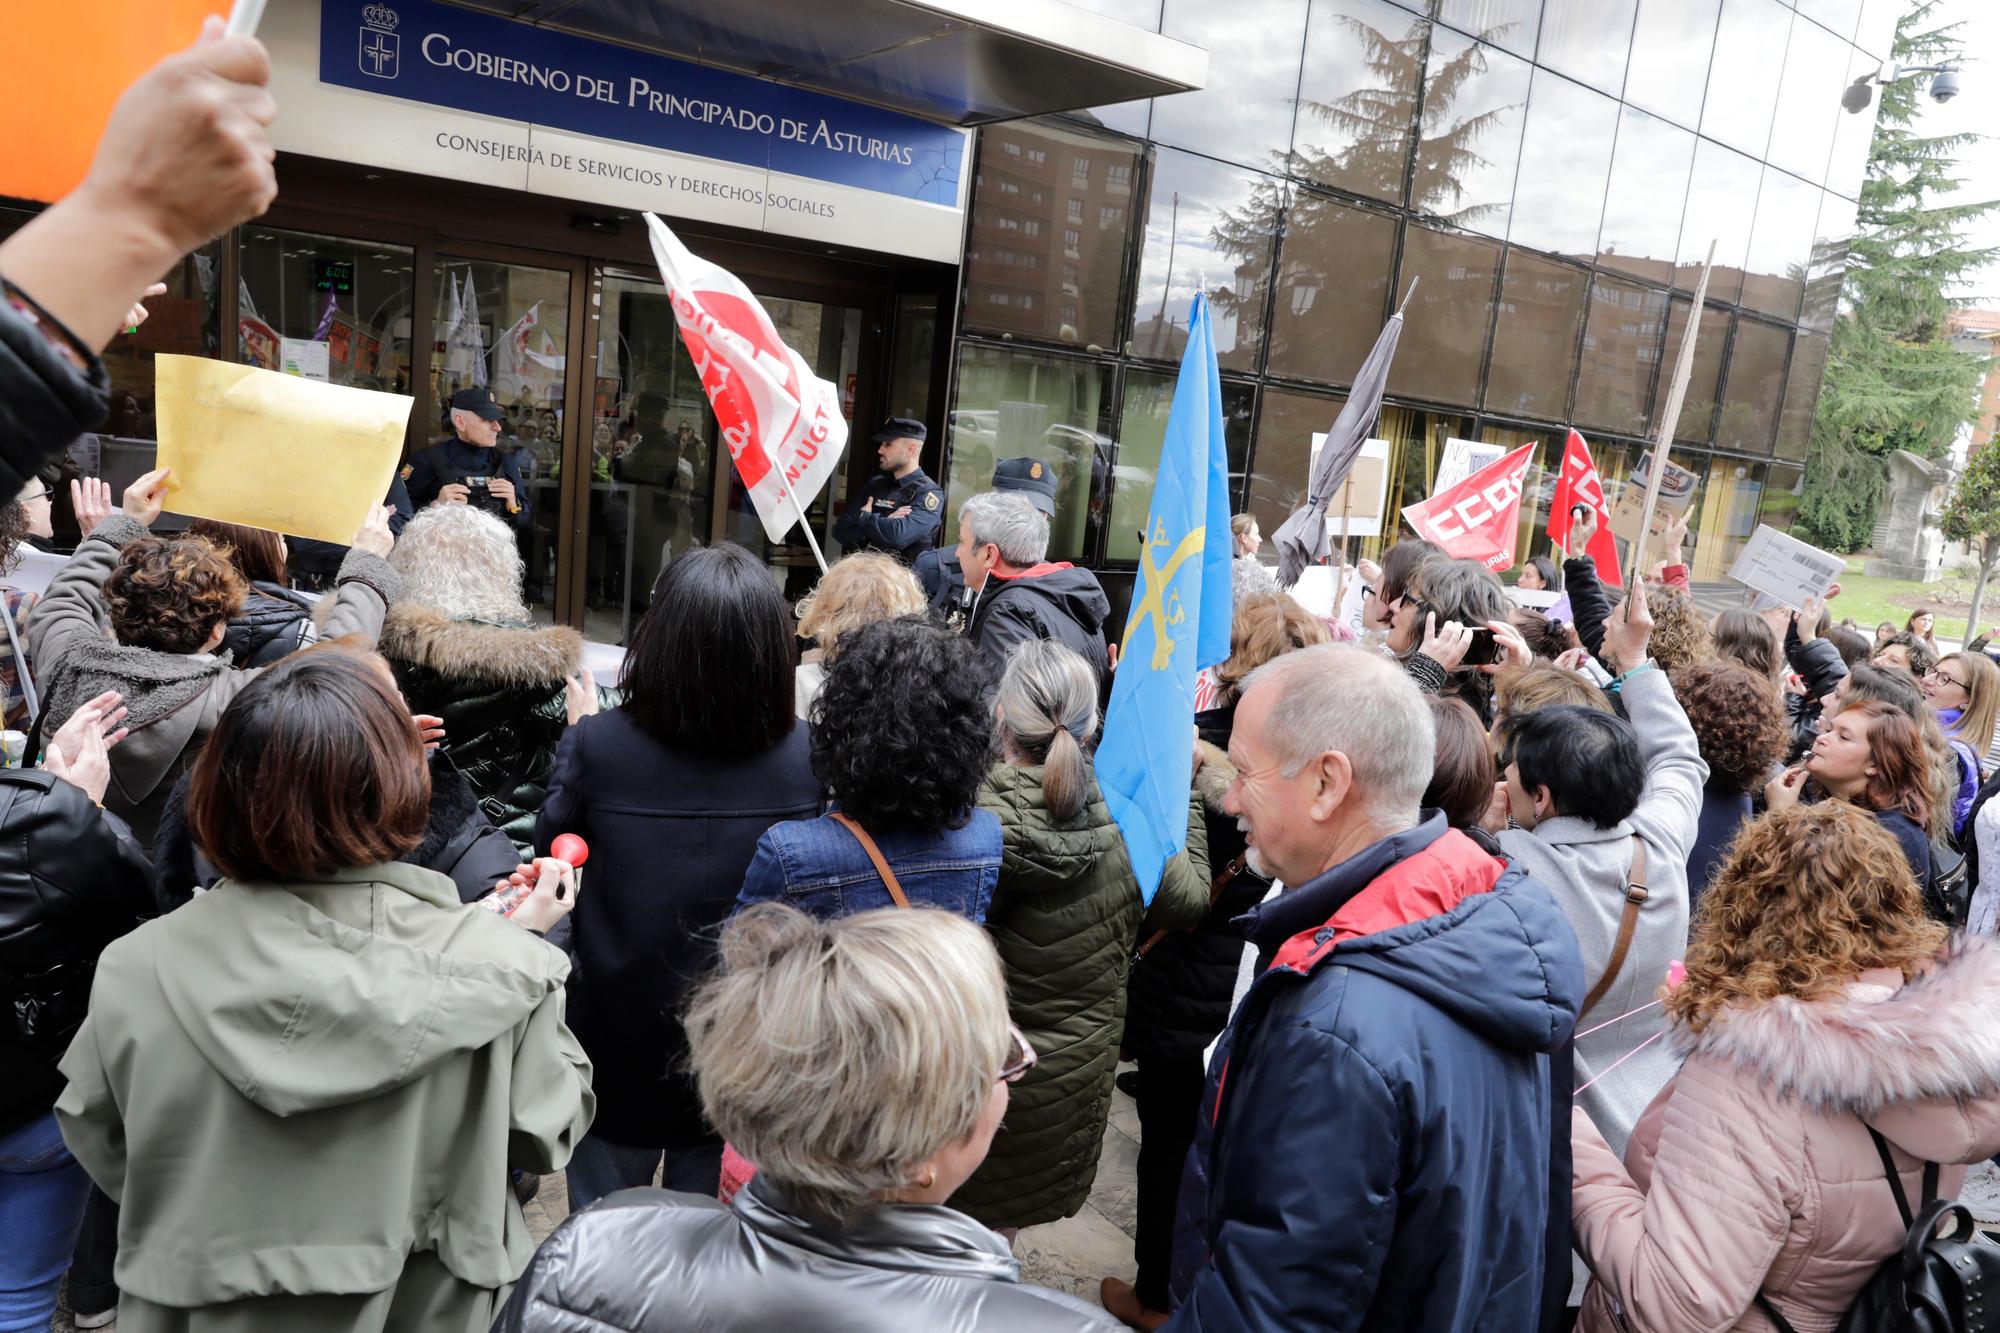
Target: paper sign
[303, 356]
[1779, 565]
[275, 451]
[1315, 591]
[1461, 459]
[1676, 494]
[1535, 599]
[1363, 496]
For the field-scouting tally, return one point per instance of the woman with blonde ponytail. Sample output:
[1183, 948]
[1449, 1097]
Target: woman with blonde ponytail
[1065, 916]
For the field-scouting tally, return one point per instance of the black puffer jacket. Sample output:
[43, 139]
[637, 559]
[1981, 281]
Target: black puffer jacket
[499, 689]
[459, 841]
[1179, 993]
[72, 880]
[275, 622]
[1056, 602]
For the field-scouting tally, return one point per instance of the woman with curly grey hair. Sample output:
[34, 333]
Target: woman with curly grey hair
[465, 649]
[864, 1064]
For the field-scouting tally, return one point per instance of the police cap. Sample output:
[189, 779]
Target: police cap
[1029, 476]
[480, 401]
[901, 428]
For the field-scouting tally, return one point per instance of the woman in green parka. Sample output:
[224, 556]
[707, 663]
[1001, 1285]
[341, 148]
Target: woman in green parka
[1065, 917]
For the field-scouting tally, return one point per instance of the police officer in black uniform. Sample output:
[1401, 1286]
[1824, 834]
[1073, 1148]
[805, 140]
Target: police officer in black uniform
[901, 509]
[471, 469]
[937, 570]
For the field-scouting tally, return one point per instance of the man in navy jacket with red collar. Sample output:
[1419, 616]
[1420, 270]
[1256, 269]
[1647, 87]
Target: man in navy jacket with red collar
[1375, 1149]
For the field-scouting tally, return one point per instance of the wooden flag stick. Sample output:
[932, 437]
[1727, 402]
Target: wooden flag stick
[1346, 507]
[1663, 435]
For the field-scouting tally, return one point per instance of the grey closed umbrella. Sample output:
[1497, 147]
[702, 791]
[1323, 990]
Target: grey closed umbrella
[1302, 540]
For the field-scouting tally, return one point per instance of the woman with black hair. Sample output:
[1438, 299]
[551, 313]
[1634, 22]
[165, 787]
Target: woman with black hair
[1539, 574]
[672, 789]
[902, 734]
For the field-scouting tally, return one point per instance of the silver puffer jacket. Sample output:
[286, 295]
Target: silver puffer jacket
[651, 1261]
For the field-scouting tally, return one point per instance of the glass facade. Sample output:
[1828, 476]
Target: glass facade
[1549, 173]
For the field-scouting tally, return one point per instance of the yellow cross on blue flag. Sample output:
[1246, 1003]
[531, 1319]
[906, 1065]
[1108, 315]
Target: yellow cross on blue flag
[1179, 621]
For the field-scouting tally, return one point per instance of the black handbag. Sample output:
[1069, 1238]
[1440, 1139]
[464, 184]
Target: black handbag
[1937, 1283]
[1948, 887]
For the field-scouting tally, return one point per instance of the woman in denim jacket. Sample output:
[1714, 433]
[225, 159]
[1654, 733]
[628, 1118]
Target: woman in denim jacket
[902, 733]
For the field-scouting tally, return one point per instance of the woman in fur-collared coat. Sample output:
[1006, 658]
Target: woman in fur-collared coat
[1821, 1009]
[465, 649]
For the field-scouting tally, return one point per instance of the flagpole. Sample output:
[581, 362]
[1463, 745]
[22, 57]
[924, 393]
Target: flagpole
[804, 522]
[1664, 434]
[1346, 508]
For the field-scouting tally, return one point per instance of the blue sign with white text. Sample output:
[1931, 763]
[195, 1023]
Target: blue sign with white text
[467, 61]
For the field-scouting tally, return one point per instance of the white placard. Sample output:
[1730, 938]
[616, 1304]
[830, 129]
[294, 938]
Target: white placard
[1779, 565]
[306, 358]
[1461, 459]
[1535, 599]
[1315, 588]
[1371, 472]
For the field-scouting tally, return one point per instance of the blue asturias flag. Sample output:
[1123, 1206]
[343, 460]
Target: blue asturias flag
[1179, 622]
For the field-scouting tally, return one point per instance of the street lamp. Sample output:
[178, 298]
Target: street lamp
[1944, 83]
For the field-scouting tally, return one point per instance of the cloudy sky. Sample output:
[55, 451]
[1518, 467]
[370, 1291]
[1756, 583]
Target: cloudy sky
[1976, 110]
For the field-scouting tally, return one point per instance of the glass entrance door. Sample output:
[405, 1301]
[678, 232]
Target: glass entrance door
[505, 327]
[660, 483]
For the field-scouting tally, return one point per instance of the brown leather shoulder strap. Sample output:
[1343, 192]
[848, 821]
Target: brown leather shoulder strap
[1215, 887]
[1636, 894]
[849, 823]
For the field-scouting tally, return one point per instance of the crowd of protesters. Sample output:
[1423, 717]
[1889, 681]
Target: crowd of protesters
[1514, 975]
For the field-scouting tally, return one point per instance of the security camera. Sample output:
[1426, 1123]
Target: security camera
[1945, 86]
[1858, 95]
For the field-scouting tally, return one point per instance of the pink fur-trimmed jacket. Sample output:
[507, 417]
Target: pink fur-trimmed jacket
[1753, 1169]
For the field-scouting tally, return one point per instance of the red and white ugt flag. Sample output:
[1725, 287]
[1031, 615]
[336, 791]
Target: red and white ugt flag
[1477, 519]
[1579, 484]
[781, 423]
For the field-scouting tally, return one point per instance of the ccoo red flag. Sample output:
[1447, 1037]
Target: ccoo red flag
[1478, 518]
[1579, 484]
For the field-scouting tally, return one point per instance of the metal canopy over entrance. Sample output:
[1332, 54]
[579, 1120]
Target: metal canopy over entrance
[958, 62]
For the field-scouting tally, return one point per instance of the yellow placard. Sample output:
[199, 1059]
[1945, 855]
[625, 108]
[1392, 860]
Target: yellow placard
[275, 451]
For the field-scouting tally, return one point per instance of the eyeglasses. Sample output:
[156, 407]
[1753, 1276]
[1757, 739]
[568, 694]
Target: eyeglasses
[1020, 1057]
[43, 494]
[1944, 677]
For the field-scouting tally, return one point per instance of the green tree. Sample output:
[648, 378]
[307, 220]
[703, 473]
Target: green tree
[1972, 514]
[1893, 379]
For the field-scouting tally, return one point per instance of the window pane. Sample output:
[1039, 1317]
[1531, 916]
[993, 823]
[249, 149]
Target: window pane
[1205, 223]
[1827, 270]
[1671, 44]
[1783, 486]
[186, 321]
[1030, 405]
[1565, 159]
[1621, 350]
[1022, 271]
[1801, 395]
[1809, 101]
[1285, 427]
[1254, 48]
[1474, 101]
[1642, 204]
[1444, 338]
[1742, 93]
[1721, 206]
[1368, 58]
[1333, 288]
[1148, 397]
[1836, 16]
[1877, 29]
[354, 296]
[1853, 135]
[1697, 418]
[1508, 23]
[1588, 40]
[1534, 340]
[1725, 516]
[506, 326]
[1755, 387]
[1781, 244]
